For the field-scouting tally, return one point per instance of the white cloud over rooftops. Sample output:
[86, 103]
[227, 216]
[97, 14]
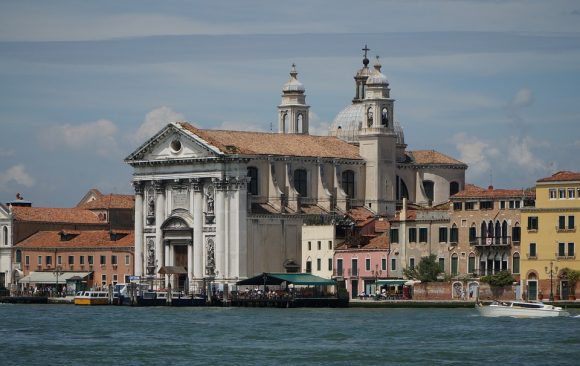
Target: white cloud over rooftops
[98, 136]
[16, 175]
[154, 121]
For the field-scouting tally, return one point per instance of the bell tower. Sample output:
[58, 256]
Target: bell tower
[293, 111]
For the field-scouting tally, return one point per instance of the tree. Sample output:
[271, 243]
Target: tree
[426, 271]
[500, 279]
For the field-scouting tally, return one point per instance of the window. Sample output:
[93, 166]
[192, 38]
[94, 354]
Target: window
[71, 259]
[319, 245]
[319, 264]
[300, 182]
[454, 234]
[82, 259]
[90, 260]
[561, 193]
[26, 260]
[5, 235]
[412, 235]
[516, 233]
[384, 264]
[393, 264]
[253, 184]
[453, 188]
[114, 260]
[469, 205]
[472, 234]
[411, 263]
[330, 264]
[570, 249]
[330, 245]
[423, 235]
[532, 223]
[339, 267]
[457, 206]
[561, 249]
[103, 259]
[454, 264]
[562, 222]
[40, 260]
[571, 193]
[49, 260]
[394, 235]
[443, 235]
[348, 183]
[502, 205]
[59, 260]
[533, 250]
[115, 279]
[516, 263]
[368, 264]
[429, 188]
[552, 194]
[442, 264]
[104, 279]
[308, 266]
[309, 245]
[486, 205]
[471, 263]
[354, 267]
[127, 260]
[571, 222]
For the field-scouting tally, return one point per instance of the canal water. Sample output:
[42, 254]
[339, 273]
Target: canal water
[110, 335]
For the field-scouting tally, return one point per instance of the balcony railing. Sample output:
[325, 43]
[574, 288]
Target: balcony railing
[559, 256]
[501, 241]
[565, 229]
[338, 272]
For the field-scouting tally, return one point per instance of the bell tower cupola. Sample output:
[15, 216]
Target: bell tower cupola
[293, 111]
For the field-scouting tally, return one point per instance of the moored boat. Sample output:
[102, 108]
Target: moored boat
[92, 298]
[520, 309]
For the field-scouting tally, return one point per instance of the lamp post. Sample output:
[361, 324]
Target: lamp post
[57, 272]
[377, 272]
[551, 273]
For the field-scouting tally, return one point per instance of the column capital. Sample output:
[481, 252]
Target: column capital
[159, 186]
[196, 184]
[138, 187]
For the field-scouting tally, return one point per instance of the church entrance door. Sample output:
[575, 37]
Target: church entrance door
[180, 259]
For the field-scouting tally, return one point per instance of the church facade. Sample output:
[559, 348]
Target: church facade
[227, 205]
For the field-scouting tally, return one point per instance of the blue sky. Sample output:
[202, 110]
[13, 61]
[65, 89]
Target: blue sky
[493, 83]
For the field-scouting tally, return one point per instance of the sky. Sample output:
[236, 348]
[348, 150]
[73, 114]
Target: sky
[493, 83]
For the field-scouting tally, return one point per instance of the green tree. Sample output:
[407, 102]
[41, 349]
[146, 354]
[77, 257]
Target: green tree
[426, 271]
[500, 279]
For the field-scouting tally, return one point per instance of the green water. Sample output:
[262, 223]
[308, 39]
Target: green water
[109, 335]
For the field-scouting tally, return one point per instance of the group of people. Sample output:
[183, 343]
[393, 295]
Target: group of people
[45, 290]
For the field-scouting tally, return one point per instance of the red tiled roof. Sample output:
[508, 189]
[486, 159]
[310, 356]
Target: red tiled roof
[110, 201]
[379, 242]
[472, 191]
[562, 176]
[382, 226]
[360, 214]
[426, 157]
[262, 143]
[45, 214]
[87, 239]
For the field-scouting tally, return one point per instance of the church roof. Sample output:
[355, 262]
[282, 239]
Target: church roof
[562, 176]
[45, 214]
[262, 143]
[432, 157]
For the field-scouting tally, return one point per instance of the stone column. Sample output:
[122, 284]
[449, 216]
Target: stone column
[139, 259]
[159, 218]
[189, 262]
[220, 253]
[197, 267]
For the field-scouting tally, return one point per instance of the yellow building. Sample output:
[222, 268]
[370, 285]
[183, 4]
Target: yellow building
[550, 240]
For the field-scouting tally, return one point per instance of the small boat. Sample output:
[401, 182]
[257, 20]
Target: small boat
[520, 309]
[92, 298]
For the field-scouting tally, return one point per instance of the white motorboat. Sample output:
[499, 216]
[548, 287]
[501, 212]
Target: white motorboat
[521, 309]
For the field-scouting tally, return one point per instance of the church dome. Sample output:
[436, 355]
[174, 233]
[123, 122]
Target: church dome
[376, 77]
[348, 123]
[293, 85]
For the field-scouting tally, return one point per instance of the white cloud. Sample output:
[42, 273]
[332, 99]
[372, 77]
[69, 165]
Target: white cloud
[97, 136]
[523, 98]
[519, 152]
[316, 126]
[475, 153]
[154, 121]
[18, 175]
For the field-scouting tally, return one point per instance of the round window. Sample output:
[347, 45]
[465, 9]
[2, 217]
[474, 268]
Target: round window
[176, 145]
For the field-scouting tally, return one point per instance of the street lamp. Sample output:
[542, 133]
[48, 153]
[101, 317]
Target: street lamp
[377, 272]
[57, 272]
[551, 273]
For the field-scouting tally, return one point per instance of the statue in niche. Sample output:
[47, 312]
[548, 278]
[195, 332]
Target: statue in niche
[209, 213]
[210, 258]
[370, 117]
[150, 257]
[385, 117]
[209, 201]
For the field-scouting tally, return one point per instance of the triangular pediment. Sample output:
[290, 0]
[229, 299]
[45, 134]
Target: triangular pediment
[4, 213]
[173, 143]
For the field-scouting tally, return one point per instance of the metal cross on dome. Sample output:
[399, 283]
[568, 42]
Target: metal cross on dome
[366, 49]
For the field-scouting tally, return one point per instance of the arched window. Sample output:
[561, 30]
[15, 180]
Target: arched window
[490, 229]
[300, 182]
[471, 263]
[516, 263]
[299, 122]
[472, 233]
[483, 232]
[454, 264]
[385, 117]
[5, 235]
[504, 232]
[402, 191]
[285, 122]
[370, 117]
[348, 183]
[497, 232]
[253, 184]
[18, 256]
[453, 188]
[454, 234]
[429, 188]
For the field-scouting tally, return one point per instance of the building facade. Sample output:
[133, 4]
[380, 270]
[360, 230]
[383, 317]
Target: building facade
[550, 237]
[318, 243]
[5, 246]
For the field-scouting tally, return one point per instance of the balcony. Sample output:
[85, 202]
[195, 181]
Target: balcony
[563, 257]
[338, 272]
[563, 229]
[503, 241]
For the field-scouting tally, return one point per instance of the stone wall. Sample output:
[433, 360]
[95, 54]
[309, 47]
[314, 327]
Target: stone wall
[445, 291]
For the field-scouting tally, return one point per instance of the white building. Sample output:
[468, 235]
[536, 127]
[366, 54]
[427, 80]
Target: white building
[5, 246]
[318, 249]
[230, 204]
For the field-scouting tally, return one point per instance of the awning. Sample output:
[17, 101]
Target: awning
[276, 279]
[172, 270]
[391, 282]
[50, 277]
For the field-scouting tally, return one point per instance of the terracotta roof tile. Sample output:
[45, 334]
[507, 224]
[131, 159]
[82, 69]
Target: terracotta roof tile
[472, 191]
[313, 210]
[562, 176]
[111, 201]
[426, 157]
[262, 143]
[44, 214]
[379, 242]
[86, 239]
[360, 214]
[382, 226]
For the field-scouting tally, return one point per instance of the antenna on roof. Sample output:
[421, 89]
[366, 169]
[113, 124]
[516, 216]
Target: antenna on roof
[491, 178]
[271, 127]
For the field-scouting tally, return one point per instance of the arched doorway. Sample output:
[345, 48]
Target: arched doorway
[532, 287]
[178, 249]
